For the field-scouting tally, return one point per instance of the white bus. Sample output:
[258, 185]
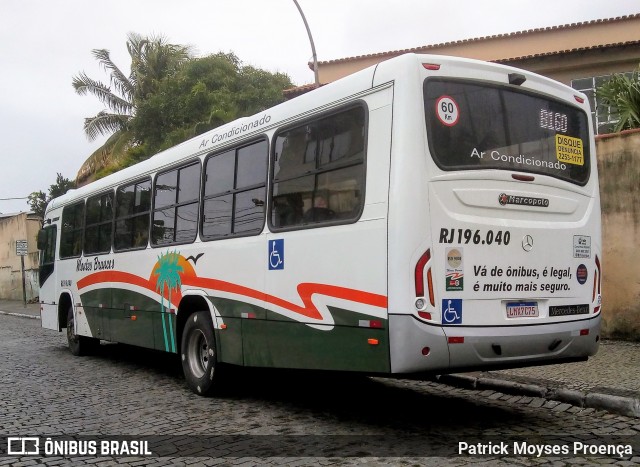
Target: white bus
[425, 215]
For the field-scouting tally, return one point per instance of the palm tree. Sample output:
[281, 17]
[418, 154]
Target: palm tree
[152, 59]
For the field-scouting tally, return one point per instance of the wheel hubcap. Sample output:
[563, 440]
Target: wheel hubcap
[198, 353]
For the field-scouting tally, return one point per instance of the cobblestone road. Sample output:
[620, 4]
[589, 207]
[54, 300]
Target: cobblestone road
[274, 418]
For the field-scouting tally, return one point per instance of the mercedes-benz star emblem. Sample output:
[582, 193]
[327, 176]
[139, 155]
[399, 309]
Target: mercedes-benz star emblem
[527, 243]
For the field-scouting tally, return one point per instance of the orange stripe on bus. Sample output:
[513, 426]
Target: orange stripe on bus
[305, 290]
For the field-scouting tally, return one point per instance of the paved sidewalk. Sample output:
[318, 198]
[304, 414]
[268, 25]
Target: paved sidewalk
[609, 381]
[14, 307]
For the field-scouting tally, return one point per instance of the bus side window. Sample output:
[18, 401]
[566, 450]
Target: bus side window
[133, 204]
[319, 171]
[287, 210]
[234, 191]
[98, 219]
[72, 227]
[176, 204]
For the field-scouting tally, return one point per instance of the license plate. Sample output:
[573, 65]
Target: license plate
[522, 309]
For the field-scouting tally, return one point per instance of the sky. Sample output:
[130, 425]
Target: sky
[44, 43]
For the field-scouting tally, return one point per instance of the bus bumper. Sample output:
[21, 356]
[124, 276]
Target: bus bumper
[457, 348]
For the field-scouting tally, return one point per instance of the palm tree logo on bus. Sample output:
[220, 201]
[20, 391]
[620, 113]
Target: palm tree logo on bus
[168, 271]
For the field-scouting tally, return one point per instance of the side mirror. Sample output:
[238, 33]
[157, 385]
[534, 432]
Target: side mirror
[42, 239]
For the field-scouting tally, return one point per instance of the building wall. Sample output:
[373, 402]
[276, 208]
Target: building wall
[619, 166]
[582, 64]
[587, 44]
[19, 227]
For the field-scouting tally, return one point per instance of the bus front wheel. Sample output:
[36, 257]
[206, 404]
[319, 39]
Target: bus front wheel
[79, 345]
[199, 354]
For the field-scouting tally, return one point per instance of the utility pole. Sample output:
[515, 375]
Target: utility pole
[21, 251]
[313, 47]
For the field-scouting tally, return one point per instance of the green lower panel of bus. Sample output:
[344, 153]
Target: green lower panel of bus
[269, 339]
[130, 318]
[252, 336]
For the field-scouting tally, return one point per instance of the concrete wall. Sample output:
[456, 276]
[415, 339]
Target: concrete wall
[619, 166]
[18, 227]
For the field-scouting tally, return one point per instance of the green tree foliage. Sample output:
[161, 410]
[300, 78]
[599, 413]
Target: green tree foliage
[168, 98]
[622, 93]
[205, 93]
[38, 200]
[152, 59]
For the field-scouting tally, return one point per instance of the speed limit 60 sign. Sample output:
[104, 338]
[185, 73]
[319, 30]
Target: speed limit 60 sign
[447, 110]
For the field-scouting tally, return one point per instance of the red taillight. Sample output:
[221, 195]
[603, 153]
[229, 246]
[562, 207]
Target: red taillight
[584, 332]
[424, 314]
[432, 298]
[420, 284]
[455, 340]
[597, 281]
[579, 99]
[431, 66]
[419, 273]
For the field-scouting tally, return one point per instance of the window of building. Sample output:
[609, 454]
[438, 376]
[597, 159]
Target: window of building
[175, 209]
[604, 116]
[234, 191]
[98, 224]
[133, 205]
[72, 226]
[319, 171]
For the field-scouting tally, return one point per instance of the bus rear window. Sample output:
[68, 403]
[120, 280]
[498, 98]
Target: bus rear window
[473, 125]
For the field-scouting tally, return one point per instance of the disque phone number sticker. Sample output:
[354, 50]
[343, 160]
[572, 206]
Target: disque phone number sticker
[569, 150]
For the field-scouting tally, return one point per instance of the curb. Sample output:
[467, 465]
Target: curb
[627, 406]
[20, 315]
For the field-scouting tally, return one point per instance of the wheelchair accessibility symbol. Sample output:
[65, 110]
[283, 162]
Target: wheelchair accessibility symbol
[452, 311]
[276, 254]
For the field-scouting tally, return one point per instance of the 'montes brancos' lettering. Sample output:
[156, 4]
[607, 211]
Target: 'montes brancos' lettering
[86, 265]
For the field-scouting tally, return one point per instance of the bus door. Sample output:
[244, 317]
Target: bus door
[47, 275]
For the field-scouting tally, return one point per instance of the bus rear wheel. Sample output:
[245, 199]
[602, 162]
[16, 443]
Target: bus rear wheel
[199, 359]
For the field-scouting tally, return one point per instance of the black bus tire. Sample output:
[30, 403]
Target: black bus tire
[198, 354]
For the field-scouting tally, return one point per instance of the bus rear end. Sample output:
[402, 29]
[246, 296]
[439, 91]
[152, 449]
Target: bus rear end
[506, 267]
